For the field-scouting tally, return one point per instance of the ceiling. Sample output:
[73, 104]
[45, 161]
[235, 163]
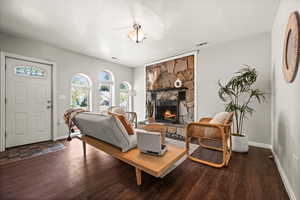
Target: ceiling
[99, 28]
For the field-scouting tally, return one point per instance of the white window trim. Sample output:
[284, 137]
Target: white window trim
[54, 125]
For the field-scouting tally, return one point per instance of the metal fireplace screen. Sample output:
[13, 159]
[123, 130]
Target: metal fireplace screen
[167, 111]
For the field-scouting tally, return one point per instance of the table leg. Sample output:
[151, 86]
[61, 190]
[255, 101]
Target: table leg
[84, 148]
[138, 174]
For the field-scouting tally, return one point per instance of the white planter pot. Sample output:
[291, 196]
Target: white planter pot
[240, 143]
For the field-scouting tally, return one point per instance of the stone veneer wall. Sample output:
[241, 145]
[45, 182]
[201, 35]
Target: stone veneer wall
[167, 73]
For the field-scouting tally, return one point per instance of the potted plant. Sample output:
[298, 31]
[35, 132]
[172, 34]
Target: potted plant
[150, 111]
[238, 94]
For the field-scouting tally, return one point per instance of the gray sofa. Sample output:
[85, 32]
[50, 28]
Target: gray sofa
[105, 128]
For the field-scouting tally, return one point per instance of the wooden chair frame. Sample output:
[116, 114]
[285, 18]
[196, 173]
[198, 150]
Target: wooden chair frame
[131, 116]
[224, 136]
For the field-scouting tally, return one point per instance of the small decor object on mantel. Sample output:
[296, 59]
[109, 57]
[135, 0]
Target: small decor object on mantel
[150, 111]
[291, 48]
[178, 83]
[238, 93]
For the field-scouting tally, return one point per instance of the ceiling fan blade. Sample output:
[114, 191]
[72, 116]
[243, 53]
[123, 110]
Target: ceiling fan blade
[150, 22]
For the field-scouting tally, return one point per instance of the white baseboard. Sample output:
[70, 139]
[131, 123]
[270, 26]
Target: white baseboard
[284, 178]
[261, 145]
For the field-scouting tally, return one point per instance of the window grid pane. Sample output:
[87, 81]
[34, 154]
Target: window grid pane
[80, 92]
[124, 100]
[105, 77]
[105, 92]
[79, 98]
[80, 81]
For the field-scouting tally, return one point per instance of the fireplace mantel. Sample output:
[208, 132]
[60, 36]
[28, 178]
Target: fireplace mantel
[167, 89]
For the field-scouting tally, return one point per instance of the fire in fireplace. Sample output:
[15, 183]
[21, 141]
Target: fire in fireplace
[168, 115]
[166, 111]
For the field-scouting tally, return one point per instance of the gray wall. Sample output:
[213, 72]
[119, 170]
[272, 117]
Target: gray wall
[285, 103]
[140, 88]
[68, 64]
[219, 62]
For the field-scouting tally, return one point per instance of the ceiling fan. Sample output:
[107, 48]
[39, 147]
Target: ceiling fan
[136, 34]
[144, 23]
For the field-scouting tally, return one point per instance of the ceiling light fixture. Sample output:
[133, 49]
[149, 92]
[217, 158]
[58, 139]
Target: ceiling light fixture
[137, 35]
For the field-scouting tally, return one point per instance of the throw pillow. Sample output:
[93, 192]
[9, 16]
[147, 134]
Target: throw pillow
[125, 123]
[221, 118]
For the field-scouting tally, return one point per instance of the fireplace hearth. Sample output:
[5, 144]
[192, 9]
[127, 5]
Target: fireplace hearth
[167, 111]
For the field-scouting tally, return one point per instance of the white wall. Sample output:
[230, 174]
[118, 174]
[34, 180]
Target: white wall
[68, 64]
[220, 62]
[285, 105]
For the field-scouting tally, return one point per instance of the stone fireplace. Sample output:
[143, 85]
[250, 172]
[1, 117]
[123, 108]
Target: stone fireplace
[172, 104]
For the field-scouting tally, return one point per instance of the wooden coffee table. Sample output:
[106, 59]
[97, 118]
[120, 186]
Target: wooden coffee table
[153, 165]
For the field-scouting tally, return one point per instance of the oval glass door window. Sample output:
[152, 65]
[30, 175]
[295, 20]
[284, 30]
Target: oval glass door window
[30, 71]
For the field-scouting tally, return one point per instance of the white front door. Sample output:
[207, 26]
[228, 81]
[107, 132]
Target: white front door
[28, 102]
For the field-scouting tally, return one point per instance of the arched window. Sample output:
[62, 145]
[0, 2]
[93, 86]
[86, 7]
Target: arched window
[124, 96]
[106, 88]
[81, 92]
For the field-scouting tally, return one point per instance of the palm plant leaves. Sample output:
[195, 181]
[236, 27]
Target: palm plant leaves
[225, 92]
[258, 94]
[241, 84]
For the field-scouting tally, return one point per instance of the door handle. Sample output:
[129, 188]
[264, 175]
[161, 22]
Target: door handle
[48, 107]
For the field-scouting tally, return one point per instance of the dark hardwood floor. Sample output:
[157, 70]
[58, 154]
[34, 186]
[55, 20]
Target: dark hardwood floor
[67, 175]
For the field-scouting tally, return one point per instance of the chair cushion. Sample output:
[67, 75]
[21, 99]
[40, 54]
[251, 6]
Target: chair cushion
[124, 121]
[220, 118]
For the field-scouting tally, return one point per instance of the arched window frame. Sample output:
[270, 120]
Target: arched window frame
[129, 96]
[87, 88]
[111, 85]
